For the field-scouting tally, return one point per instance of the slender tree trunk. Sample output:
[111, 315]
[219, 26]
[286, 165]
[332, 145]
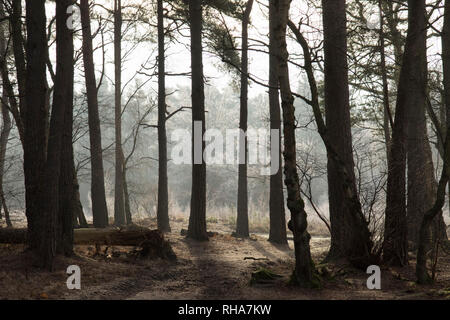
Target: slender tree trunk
[119, 205]
[79, 219]
[411, 91]
[303, 273]
[99, 208]
[4, 136]
[197, 217]
[126, 196]
[445, 39]
[6, 126]
[162, 212]
[387, 116]
[277, 232]
[67, 178]
[19, 55]
[36, 116]
[242, 201]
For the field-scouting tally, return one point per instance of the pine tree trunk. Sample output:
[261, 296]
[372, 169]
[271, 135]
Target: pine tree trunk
[126, 196]
[197, 217]
[79, 219]
[242, 229]
[19, 56]
[56, 189]
[35, 116]
[162, 212]
[119, 205]
[411, 91]
[277, 232]
[350, 237]
[99, 208]
[4, 136]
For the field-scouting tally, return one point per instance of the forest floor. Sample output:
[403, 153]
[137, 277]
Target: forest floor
[220, 268]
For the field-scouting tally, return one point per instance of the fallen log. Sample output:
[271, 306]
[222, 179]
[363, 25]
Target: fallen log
[152, 242]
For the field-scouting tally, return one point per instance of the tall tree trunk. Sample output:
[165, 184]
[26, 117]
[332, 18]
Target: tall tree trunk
[445, 39]
[99, 208]
[387, 116]
[411, 91]
[303, 273]
[57, 180]
[242, 198]
[4, 136]
[67, 178]
[19, 55]
[350, 237]
[277, 232]
[126, 196]
[119, 206]
[197, 217]
[36, 116]
[423, 245]
[6, 126]
[162, 212]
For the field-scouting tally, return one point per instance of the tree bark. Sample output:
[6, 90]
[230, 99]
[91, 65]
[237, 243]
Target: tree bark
[119, 205]
[126, 196]
[350, 237]
[197, 217]
[19, 55]
[56, 191]
[162, 212]
[277, 214]
[36, 116]
[4, 136]
[411, 90]
[6, 127]
[242, 197]
[99, 208]
[303, 273]
[79, 219]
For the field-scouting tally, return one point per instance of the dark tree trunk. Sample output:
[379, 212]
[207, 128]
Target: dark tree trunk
[99, 208]
[4, 136]
[119, 205]
[303, 273]
[56, 193]
[387, 116]
[35, 117]
[277, 232]
[445, 39]
[19, 55]
[79, 219]
[424, 232]
[6, 125]
[162, 212]
[242, 198]
[350, 237]
[197, 217]
[411, 91]
[422, 186]
[126, 197]
[67, 176]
